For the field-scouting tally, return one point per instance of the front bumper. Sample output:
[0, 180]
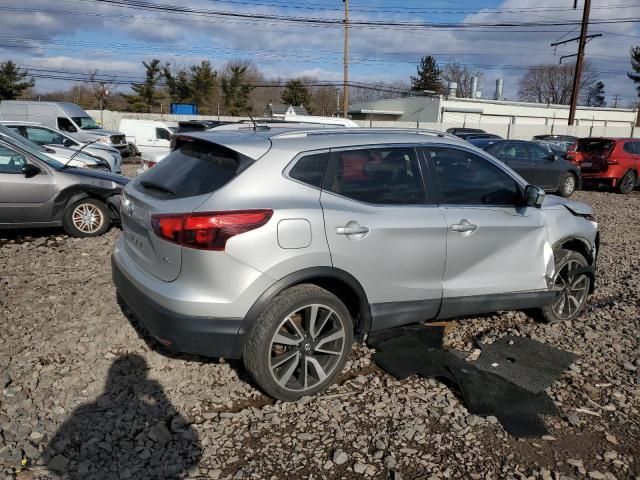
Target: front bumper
[212, 337]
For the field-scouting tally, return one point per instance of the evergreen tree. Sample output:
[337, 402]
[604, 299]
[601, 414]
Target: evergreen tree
[596, 96]
[203, 86]
[428, 76]
[13, 81]
[297, 94]
[178, 85]
[236, 90]
[635, 65]
[146, 94]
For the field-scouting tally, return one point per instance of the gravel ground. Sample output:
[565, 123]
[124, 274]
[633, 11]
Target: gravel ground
[78, 381]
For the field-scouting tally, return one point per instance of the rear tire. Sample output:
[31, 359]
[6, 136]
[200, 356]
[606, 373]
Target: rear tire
[568, 184]
[572, 291]
[299, 343]
[86, 218]
[627, 183]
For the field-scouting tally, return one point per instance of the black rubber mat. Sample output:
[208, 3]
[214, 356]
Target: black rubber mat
[412, 352]
[525, 362]
[430, 337]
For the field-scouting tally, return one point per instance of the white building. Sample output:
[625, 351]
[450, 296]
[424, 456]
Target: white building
[497, 116]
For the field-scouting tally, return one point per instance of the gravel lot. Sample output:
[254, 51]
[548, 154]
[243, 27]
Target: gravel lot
[78, 380]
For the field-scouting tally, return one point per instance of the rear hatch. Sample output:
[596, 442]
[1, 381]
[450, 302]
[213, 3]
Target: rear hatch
[591, 154]
[179, 184]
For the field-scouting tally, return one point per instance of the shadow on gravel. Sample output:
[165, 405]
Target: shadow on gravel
[130, 431]
[158, 347]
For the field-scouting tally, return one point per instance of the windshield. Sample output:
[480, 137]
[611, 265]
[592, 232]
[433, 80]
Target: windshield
[86, 123]
[594, 145]
[28, 146]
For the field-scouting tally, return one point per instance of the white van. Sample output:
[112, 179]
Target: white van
[68, 117]
[144, 135]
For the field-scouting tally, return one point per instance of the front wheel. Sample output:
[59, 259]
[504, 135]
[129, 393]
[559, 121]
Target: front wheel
[568, 184]
[571, 285]
[627, 183]
[86, 218]
[300, 343]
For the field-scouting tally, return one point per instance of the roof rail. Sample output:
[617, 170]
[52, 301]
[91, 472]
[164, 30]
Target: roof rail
[362, 131]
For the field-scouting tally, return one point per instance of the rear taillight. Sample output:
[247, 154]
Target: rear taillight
[207, 231]
[147, 164]
[610, 160]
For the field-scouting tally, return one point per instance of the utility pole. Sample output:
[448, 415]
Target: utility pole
[345, 86]
[616, 97]
[579, 61]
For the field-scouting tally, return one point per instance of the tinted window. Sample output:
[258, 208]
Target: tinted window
[537, 153]
[383, 176]
[163, 134]
[631, 147]
[512, 150]
[11, 161]
[65, 125]
[594, 145]
[192, 169]
[310, 169]
[465, 178]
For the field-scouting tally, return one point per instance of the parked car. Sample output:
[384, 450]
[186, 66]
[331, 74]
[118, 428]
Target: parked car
[614, 162]
[561, 142]
[280, 246]
[67, 156]
[538, 165]
[457, 131]
[47, 136]
[144, 135]
[64, 116]
[39, 191]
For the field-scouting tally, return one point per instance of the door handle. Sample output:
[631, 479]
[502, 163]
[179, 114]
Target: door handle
[351, 230]
[464, 226]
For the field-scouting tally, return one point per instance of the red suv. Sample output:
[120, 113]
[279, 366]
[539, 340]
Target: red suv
[614, 162]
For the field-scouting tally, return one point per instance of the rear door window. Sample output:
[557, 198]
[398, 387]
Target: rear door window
[631, 147]
[193, 168]
[512, 151]
[379, 176]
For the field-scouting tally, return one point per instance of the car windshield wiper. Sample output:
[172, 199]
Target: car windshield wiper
[156, 186]
[78, 152]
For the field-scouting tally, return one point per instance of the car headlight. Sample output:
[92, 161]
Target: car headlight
[105, 139]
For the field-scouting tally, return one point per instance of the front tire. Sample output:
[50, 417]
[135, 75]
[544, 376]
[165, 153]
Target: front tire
[300, 343]
[627, 183]
[568, 184]
[86, 218]
[571, 289]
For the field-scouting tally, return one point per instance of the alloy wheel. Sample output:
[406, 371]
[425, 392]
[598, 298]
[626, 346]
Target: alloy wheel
[572, 290]
[87, 218]
[306, 347]
[569, 185]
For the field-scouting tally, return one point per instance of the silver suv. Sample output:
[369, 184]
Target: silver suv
[282, 246]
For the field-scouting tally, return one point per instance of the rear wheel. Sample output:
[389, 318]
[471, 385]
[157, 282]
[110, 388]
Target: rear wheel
[568, 184]
[570, 285]
[86, 218]
[300, 343]
[627, 183]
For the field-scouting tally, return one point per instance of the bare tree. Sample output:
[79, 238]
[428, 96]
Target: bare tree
[100, 87]
[462, 75]
[325, 100]
[550, 83]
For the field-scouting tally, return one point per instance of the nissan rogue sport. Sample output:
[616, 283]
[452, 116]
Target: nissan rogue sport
[283, 245]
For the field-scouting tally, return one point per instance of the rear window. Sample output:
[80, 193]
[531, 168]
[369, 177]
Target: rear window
[594, 145]
[193, 168]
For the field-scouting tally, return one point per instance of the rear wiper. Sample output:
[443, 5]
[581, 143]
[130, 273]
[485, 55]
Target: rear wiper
[156, 186]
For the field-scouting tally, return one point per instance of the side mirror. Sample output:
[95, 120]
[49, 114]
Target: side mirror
[553, 157]
[30, 170]
[67, 142]
[533, 196]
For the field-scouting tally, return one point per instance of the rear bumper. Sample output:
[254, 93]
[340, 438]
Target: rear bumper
[212, 337]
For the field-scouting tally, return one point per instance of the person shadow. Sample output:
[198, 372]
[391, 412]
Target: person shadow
[130, 431]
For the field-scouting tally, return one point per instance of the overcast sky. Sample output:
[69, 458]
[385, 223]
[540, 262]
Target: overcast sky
[81, 35]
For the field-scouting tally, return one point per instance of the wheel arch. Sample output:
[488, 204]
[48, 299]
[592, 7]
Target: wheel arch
[74, 193]
[342, 284]
[580, 245]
